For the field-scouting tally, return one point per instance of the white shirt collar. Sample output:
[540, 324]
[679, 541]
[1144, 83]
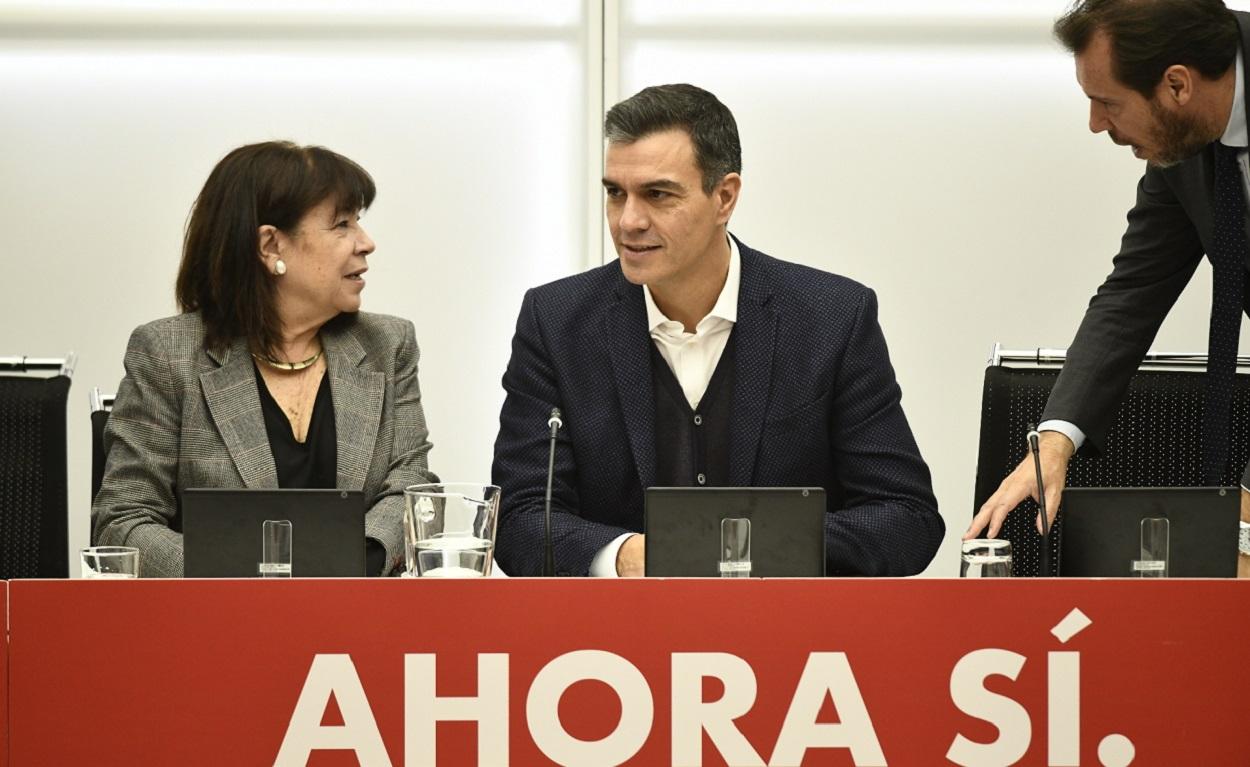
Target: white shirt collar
[726, 306]
[1235, 134]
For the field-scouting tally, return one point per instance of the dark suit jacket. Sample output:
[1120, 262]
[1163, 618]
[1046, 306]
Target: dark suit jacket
[1169, 230]
[814, 403]
[187, 417]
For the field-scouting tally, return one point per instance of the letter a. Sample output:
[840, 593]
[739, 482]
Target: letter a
[332, 675]
[827, 673]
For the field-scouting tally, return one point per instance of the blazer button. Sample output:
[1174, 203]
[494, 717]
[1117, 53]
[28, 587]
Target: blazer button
[698, 420]
[702, 479]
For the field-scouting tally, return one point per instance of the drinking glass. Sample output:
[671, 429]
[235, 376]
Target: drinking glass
[275, 548]
[100, 562]
[986, 558]
[1155, 544]
[735, 547]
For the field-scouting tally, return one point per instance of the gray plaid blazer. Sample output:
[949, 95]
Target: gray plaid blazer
[188, 417]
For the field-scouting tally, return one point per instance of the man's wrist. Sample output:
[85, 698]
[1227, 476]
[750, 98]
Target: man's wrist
[604, 563]
[1056, 443]
[1066, 428]
[629, 557]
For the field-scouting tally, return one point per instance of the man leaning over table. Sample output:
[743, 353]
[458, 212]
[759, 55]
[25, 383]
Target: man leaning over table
[1166, 78]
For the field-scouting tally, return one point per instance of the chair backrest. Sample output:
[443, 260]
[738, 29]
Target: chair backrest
[101, 406]
[1156, 442]
[34, 511]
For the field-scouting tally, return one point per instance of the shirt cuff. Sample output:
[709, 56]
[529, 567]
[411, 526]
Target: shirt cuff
[604, 563]
[1069, 430]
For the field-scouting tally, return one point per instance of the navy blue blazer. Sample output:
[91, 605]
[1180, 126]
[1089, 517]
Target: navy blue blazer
[814, 403]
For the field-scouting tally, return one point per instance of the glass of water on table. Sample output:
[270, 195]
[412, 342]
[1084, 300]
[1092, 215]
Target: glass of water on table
[110, 562]
[449, 529]
[986, 558]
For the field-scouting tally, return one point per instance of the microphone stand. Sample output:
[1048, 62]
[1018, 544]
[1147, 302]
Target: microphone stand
[1043, 561]
[549, 554]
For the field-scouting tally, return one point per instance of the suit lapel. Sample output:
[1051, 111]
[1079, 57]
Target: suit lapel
[755, 335]
[1243, 24]
[357, 396]
[234, 403]
[630, 352]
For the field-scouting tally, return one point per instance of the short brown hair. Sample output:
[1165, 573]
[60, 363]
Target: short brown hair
[1148, 36]
[276, 182]
[708, 122]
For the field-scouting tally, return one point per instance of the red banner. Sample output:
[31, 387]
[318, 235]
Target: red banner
[646, 672]
[4, 678]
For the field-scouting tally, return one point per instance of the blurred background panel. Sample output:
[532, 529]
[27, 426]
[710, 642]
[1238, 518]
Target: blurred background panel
[936, 151]
[469, 115]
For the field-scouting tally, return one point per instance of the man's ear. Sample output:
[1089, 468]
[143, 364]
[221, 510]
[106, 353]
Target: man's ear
[1178, 84]
[726, 194]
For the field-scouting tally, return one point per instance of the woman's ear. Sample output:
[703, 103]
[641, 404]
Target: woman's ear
[269, 246]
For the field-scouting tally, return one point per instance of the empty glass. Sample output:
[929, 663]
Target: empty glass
[735, 547]
[110, 562]
[986, 558]
[449, 529]
[275, 548]
[1155, 543]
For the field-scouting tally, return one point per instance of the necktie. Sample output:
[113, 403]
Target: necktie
[1228, 256]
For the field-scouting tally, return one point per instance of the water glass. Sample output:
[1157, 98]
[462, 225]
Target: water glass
[449, 529]
[110, 562]
[986, 558]
[735, 548]
[275, 548]
[1155, 544]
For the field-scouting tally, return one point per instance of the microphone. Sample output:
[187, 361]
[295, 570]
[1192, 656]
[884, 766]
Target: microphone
[1043, 561]
[549, 553]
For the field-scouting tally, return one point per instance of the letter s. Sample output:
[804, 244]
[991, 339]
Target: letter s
[969, 695]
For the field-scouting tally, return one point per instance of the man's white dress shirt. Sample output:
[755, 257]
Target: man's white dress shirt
[692, 357]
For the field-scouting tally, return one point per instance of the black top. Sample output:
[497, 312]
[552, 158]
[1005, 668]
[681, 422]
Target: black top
[312, 463]
[692, 444]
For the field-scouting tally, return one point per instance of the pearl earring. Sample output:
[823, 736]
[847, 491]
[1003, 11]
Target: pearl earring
[279, 267]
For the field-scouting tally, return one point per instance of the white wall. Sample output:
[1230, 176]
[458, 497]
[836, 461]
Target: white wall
[472, 127]
[935, 151]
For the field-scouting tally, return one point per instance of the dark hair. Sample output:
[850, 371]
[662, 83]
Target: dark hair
[275, 183]
[709, 123]
[1148, 36]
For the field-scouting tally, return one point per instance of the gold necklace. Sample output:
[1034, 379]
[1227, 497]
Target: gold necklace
[289, 365]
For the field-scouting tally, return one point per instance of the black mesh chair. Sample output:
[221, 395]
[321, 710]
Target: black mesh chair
[34, 511]
[101, 406]
[1155, 442]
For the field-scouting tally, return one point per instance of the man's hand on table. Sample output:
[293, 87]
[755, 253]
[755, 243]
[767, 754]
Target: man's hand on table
[1056, 451]
[630, 560]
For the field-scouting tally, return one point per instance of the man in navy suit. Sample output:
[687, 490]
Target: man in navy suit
[695, 360]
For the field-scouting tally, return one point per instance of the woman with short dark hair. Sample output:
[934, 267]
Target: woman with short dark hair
[271, 376]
